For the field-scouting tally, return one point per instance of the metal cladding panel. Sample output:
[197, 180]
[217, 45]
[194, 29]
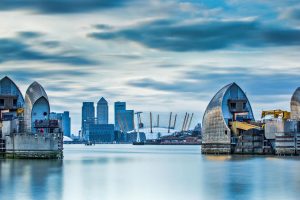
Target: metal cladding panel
[8, 87]
[295, 105]
[234, 92]
[272, 127]
[214, 126]
[217, 114]
[33, 94]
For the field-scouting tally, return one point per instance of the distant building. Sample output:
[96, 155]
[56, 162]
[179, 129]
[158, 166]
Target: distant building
[65, 121]
[102, 111]
[126, 120]
[119, 106]
[88, 116]
[100, 133]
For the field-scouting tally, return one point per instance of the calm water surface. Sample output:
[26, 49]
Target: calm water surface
[149, 172]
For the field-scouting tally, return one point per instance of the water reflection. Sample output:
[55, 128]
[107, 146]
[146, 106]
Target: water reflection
[127, 172]
[31, 179]
[252, 177]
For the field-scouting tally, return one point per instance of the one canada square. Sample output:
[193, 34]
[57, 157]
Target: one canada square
[102, 111]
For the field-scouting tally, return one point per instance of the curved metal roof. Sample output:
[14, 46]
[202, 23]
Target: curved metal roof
[216, 101]
[34, 92]
[295, 104]
[8, 87]
[215, 119]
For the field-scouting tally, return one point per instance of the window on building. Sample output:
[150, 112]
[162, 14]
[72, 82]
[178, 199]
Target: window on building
[1, 102]
[15, 102]
[233, 105]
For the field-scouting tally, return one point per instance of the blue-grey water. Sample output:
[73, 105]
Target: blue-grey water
[149, 172]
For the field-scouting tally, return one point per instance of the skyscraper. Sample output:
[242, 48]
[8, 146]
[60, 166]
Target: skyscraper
[101, 133]
[119, 106]
[88, 116]
[65, 121]
[126, 120]
[102, 111]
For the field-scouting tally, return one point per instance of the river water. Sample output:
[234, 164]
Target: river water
[126, 172]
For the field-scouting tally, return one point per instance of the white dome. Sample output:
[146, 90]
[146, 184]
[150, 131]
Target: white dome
[67, 139]
[156, 131]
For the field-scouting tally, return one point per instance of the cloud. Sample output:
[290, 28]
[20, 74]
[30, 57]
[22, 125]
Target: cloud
[51, 44]
[201, 81]
[177, 36]
[13, 49]
[30, 74]
[30, 34]
[103, 26]
[291, 13]
[60, 6]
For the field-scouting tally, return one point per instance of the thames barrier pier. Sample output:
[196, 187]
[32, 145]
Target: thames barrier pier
[25, 128]
[229, 126]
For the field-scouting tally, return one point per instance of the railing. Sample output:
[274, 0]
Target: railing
[2, 145]
[46, 124]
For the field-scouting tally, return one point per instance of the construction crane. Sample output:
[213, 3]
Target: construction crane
[276, 114]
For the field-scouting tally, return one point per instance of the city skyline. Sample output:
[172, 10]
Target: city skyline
[123, 50]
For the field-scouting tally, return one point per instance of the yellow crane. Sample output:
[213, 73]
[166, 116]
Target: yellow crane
[276, 114]
[236, 126]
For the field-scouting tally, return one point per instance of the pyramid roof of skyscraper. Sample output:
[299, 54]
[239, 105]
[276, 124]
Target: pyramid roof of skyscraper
[102, 101]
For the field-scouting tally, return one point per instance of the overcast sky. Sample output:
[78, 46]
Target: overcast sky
[156, 55]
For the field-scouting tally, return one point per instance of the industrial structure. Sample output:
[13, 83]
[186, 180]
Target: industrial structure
[229, 126]
[157, 134]
[26, 131]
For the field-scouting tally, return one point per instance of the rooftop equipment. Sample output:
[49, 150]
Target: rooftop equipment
[276, 114]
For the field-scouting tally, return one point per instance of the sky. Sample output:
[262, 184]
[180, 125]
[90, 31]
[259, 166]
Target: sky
[159, 56]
